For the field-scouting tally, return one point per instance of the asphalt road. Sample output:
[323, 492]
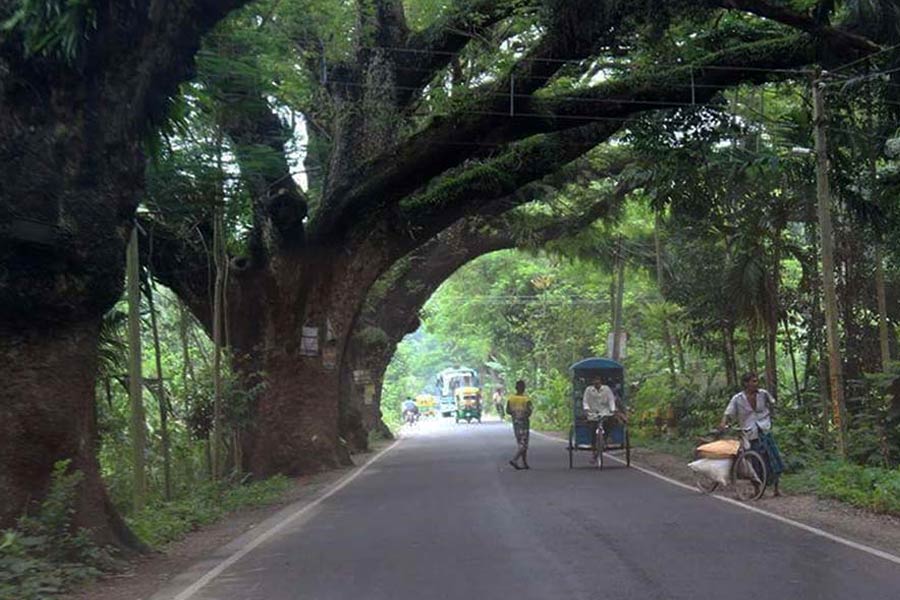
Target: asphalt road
[442, 516]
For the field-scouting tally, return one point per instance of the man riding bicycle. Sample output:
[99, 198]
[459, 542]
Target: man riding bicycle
[599, 404]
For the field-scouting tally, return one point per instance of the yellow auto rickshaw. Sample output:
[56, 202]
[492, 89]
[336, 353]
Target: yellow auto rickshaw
[427, 405]
[468, 404]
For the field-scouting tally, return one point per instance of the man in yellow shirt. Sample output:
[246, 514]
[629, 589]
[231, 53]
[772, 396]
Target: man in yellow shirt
[519, 407]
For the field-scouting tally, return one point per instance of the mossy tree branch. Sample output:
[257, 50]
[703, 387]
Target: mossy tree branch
[601, 110]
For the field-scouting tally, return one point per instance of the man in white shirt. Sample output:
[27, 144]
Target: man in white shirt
[598, 400]
[599, 403]
[753, 409]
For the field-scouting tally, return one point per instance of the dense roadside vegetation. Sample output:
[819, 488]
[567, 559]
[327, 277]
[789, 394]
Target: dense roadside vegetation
[220, 220]
[721, 276]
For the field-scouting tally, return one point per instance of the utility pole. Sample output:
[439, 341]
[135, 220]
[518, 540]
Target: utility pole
[620, 292]
[883, 331]
[823, 196]
[660, 283]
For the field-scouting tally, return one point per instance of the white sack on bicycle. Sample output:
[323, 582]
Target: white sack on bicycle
[717, 469]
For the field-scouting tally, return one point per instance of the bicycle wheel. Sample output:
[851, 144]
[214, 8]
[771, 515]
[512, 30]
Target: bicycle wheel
[749, 474]
[705, 484]
[571, 447]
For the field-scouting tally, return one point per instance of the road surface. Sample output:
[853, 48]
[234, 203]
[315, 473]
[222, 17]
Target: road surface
[442, 516]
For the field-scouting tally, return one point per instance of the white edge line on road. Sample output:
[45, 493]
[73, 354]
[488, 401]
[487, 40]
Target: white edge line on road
[218, 569]
[814, 530]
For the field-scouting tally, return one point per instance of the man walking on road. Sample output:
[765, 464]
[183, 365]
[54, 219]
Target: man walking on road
[519, 407]
[497, 398]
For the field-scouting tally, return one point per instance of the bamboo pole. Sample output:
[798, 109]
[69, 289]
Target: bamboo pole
[161, 398]
[660, 283]
[826, 237]
[135, 377]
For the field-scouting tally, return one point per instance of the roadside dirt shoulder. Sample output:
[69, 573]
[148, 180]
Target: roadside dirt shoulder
[862, 526]
[146, 574]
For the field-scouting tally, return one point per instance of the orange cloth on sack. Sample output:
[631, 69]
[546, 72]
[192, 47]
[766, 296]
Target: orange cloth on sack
[719, 449]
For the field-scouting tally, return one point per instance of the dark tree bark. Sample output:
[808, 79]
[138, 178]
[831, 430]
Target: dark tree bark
[48, 410]
[71, 131]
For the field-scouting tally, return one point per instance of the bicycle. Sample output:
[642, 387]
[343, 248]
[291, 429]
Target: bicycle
[748, 475]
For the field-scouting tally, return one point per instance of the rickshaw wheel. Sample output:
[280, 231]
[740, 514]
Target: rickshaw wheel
[627, 448]
[571, 447]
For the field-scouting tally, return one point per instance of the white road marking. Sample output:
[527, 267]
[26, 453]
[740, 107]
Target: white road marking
[190, 591]
[814, 530]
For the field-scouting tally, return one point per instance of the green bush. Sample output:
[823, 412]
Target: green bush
[552, 403]
[167, 521]
[44, 556]
[874, 488]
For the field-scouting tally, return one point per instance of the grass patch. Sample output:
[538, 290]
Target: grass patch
[680, 447]
[872, 488]
[168, 521]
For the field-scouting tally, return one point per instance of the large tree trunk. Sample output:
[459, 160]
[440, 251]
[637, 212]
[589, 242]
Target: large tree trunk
[296, 424]
[71, 133]
[47, 415]
[362, 377]
[63, 267]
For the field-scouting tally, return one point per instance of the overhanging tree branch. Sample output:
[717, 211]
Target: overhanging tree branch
[575, 32]
[605, 107]
[835, 37]
[179, 260]
[394, 310]
[259, 138]
[429, 51]
[151, 46]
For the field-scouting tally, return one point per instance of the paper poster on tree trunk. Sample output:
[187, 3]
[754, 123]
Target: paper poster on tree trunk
[329, 355]
[623, 337]
[309, 342]
[369, 393]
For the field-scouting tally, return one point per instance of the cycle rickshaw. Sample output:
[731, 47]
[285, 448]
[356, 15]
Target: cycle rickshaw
[591, 436]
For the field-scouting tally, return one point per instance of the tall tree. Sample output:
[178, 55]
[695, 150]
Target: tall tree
[81, 86]
[829, 296]
[393, 178]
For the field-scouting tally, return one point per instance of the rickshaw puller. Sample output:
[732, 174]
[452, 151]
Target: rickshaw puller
[599, 403]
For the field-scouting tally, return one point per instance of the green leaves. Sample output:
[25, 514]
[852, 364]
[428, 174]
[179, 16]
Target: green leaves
[56, 29]
[43, 556]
